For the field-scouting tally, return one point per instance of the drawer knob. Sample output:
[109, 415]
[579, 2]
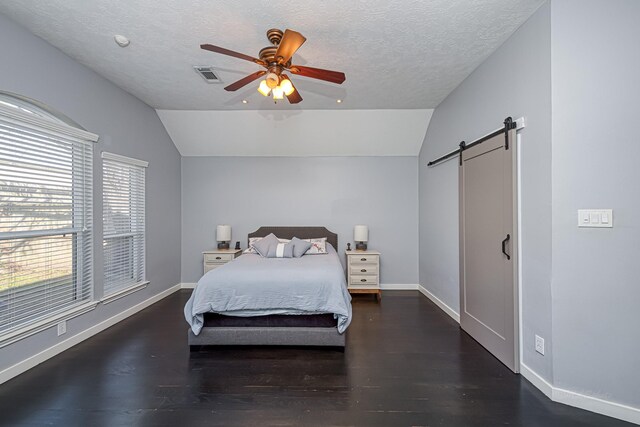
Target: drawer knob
[363, 271]
[363, 259]
[363, 280]
[218, 257]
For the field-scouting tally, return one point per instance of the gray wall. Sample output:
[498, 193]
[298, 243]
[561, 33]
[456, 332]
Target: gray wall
[596, 285]
[514, 81]
[337, 192]
[126, 126]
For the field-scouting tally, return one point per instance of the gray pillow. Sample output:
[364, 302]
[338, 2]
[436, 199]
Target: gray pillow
[262, 246]
[300, 247]
[281, 250]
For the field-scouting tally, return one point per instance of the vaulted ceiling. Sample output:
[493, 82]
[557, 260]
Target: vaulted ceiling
[396, 54]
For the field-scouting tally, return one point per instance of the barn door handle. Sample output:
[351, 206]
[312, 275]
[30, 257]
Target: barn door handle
[504, 246]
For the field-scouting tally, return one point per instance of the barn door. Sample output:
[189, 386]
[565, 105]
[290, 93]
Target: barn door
[488, 243]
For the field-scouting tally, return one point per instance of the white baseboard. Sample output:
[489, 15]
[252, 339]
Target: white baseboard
[582, 401]
[437, 301]
[187, 285]
[398, 287]
[535, 379]
[597, 405]
[48, 353]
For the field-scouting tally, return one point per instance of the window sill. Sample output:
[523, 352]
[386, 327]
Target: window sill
[124, 292]
[26, 331]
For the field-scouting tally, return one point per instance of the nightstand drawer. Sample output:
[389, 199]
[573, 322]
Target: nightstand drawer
[363, 259]
[364, 269]
[218, 258]
[357, 279]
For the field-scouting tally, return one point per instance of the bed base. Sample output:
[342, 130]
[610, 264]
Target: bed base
[296, 336]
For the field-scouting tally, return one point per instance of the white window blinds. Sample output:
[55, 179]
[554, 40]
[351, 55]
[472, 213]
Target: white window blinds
[45, 218]
[123, 182]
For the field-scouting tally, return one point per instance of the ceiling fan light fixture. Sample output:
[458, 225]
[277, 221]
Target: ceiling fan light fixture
[264, 88]
[287, 87]
[272, 80]
[278, 93]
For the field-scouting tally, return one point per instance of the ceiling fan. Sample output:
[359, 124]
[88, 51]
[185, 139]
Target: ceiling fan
[277, 59]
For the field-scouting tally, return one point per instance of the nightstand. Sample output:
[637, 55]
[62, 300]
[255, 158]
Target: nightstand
[363, 272]
[217, 257]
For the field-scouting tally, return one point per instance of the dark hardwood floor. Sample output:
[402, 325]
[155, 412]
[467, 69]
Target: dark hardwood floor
[406, 364]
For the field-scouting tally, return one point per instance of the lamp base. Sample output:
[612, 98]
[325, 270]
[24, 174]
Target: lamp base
[361, 246]
[223, 245]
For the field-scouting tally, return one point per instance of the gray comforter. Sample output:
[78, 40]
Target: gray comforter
[254, 286]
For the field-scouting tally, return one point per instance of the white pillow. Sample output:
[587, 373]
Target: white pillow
[250, 249]
[318, 246]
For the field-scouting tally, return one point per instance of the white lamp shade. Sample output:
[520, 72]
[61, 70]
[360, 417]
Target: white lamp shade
[277, 93]
[223, 233]
[263, 88]
[361, 233]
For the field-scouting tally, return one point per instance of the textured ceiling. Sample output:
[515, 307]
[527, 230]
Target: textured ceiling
[396, 54]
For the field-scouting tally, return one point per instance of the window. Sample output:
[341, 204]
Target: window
[123, 182]
[45, 217]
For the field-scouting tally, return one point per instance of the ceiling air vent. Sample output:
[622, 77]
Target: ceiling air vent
[207, 74]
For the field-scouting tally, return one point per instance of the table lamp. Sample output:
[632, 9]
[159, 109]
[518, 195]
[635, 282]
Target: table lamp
[361, 236]
[223, 236]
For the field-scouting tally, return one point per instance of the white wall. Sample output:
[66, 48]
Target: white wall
[514, 81]
[336, 192]
[33, 68]
[297, 133]
[596, 275]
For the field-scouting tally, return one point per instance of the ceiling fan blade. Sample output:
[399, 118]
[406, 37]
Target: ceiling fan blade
[218, 49]
[318, 73]
[295, 97]
[245, 81]
[291, 41]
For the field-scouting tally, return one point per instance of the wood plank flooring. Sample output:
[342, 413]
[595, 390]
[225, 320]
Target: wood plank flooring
[406, 364]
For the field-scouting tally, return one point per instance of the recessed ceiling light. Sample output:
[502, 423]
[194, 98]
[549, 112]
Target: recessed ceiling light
[122, 41]
[244, 101]
[339, 101]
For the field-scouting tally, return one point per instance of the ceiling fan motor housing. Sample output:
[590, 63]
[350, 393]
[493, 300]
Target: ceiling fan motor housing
[268, 55]
[274, 35]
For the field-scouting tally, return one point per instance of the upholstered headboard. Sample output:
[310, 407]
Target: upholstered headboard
[299, 232]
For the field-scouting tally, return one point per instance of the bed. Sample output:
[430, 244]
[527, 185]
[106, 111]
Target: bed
[261, 301]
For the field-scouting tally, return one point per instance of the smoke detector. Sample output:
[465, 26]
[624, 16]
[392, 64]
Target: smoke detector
[207, 73]
[121, 40]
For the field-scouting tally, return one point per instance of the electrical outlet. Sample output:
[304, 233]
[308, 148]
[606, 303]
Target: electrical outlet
[62, 327]
[540, 345]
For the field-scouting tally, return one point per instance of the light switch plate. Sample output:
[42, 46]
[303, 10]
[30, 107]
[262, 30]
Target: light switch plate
[595, 218]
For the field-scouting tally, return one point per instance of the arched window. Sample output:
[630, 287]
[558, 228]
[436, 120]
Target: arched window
[36, 108]
[45, 217]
